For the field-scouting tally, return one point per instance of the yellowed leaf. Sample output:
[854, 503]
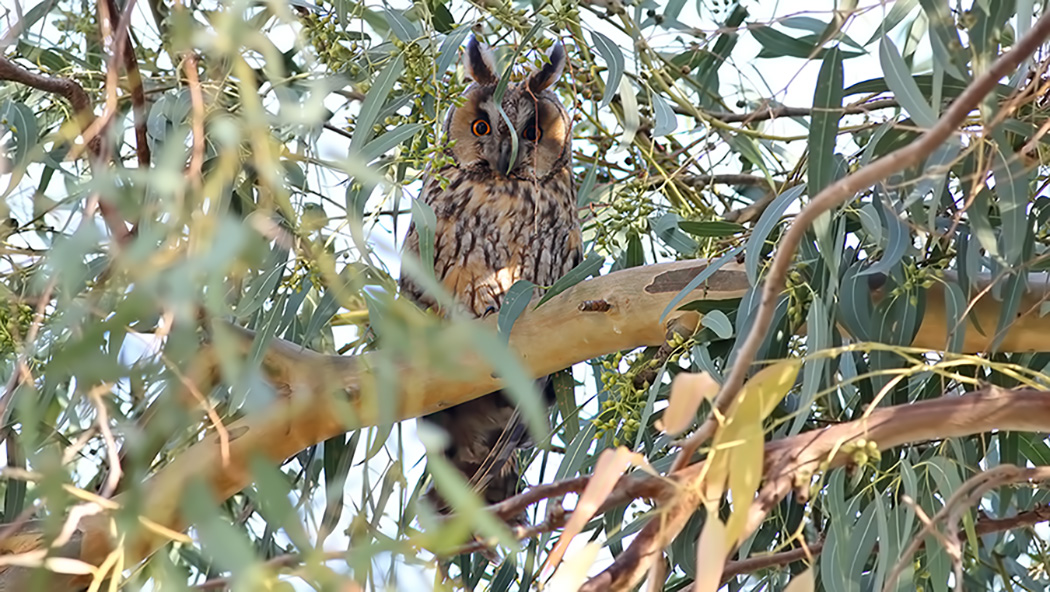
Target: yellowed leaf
[607, 471]
[803, 582]
[571, 574]
[740, 439]
[746, 460]
[711, 552]
[687, 392]
[767, 387]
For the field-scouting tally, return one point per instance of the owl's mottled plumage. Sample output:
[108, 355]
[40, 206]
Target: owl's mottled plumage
[499, 222]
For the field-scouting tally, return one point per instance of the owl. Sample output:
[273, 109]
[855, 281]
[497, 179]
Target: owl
[501, 216]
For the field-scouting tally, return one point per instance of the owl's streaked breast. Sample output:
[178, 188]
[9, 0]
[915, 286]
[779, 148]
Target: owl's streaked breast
[493, 231]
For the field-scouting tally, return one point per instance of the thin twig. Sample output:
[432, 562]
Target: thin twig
[134, 79]
[782, 111]
[962, 500]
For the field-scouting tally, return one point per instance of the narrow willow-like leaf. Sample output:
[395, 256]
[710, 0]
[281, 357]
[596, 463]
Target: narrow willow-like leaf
[632, 118]
[944, 38]
[824, 127]
[590, 265]
[614, 60]
[898, 239]
[700, 278]
[565, 396]
[1016, 284]
[818, 337]
[404, 29]
[448, 50]
[898, 12]
[583, 195]
[389, 141]
[21, 122]
[515, 301]
[1012, 187]
[517, 384]
[426, 226]
[373, 103]
[665, 120]
[899, 79]
[666, 227]
[711, 228]
[635, 254]
[954, 308]
[769, 219]
[778, 44]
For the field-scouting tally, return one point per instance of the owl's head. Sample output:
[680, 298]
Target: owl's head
[538, 122]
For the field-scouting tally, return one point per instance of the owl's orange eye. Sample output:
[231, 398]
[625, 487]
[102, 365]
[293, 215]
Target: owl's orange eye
[531, 133]
[481, 127]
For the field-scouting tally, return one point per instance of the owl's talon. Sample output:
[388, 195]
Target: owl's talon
[491, 309]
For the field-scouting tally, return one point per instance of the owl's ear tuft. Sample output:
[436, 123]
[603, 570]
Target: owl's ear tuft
[479, 62]
[546, 76]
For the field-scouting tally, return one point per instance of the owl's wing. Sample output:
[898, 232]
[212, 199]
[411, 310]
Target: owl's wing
[484, 437]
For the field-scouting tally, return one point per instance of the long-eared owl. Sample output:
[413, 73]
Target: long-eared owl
[500, 217]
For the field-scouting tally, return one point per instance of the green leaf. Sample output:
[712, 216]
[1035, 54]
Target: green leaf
[777, 44]
[666, 228]
[898, 239]
[505, 576]
[765, 225]
[899, 79]
[711, 228]
[718, 322]
[402, 27]
[426, 226]
[980, 221]
[665, 120]
[1013, 189]
[565, 396]
[818, 337]
[228, 546]
[898, 12]
[272, 499]
[517, 384]
[504, 80]
[634, 255]
[700, 278]
[590, 265]
[1016, 284]
[515, 301]
[455, 489]
[449, 49]
[820, 28]
[373, 103]
[441, 18]
[613, 57]
[338, 456]
[944, 39]
[576, 453]
[954, 308]
[862, 538]
[21, 122]
[389, 140]
[952, 87]
[824, 128]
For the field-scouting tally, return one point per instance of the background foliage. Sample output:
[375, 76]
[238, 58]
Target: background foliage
[266, 168]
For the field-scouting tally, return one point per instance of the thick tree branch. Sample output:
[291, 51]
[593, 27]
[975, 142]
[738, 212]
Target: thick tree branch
[328, 395]
[631, 565]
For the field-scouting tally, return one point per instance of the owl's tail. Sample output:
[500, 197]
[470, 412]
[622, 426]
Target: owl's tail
[485, 436]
